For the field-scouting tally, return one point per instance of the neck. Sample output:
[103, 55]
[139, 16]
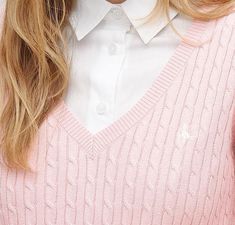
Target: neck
[116, 1]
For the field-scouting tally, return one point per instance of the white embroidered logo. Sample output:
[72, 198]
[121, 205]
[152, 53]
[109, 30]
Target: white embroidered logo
[184, 135]
[184, 132]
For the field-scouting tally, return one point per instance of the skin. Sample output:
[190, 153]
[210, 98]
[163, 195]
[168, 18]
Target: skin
[116, 1]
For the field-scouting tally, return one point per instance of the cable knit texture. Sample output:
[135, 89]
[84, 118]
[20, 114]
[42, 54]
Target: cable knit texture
[169, 160]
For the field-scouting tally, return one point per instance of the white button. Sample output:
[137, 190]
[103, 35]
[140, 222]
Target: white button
[112, 49]
[101, 108]
[116, 13]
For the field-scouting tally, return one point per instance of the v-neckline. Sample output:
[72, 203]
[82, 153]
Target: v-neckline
[93, 143]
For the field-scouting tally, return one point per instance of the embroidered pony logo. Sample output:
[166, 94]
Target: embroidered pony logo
[184, 134]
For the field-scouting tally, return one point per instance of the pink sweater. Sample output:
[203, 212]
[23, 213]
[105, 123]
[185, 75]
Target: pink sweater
[167, 161]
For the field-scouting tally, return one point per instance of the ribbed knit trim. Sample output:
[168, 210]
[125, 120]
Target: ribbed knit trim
[94, 143]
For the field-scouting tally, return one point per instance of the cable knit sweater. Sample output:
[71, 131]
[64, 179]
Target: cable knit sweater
[167, 161]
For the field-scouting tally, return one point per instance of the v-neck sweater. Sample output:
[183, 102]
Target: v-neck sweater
[168, 160]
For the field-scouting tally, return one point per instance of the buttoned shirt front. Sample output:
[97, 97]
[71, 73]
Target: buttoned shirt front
[114, 59]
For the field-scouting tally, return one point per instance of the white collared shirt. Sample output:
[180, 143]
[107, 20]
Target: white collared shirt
[114, 60]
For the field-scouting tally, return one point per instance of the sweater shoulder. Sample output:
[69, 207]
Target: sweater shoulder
[224, 27]
[229, 18]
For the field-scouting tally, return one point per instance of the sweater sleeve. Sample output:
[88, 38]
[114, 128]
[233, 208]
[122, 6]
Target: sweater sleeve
[233, 130]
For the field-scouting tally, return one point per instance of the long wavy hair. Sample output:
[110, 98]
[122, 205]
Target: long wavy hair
[33, 68]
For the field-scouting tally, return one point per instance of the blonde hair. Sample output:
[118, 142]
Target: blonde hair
[34, 71]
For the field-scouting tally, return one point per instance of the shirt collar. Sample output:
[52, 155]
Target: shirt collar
[87, 14]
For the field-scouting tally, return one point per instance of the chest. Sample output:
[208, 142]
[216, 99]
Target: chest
[169, 160]
[106, 77]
